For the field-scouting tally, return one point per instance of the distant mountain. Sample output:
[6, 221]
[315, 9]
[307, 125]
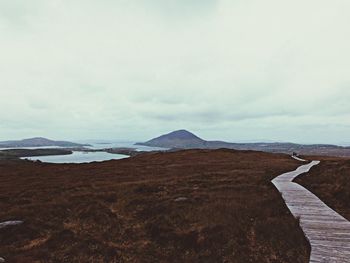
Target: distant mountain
[38, 142]
[183, 139]
[176, 139]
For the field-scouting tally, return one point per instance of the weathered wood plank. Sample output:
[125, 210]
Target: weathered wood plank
[327, 231]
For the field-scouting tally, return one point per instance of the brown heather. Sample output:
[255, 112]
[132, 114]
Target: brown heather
[125, 210]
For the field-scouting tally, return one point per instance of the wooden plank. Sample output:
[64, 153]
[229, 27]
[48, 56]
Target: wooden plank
[327, 231]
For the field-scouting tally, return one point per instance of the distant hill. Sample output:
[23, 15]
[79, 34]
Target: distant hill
[38, 142]
[183, 139]
[177, 139]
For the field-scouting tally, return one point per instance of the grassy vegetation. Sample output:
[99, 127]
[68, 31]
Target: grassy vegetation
[187, 206]
[17, 153]
[330, 181]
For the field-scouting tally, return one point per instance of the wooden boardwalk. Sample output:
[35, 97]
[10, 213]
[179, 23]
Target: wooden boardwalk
[327, 231]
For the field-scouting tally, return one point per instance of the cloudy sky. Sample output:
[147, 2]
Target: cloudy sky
[132, 69]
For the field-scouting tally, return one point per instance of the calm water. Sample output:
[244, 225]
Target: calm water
[83, 157]
[102, 145]
[116, 144]
[78, 157]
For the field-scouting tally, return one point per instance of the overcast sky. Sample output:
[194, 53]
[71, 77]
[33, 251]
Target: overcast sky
[133, 69]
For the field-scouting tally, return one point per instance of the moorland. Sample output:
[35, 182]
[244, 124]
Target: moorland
[184, 206]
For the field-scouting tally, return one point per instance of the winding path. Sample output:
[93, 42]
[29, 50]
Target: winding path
[327, 231]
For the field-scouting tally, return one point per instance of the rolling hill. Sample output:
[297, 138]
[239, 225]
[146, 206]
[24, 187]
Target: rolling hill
[183, 139]
[37, 142]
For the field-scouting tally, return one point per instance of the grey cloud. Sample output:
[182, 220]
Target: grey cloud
[230, 69]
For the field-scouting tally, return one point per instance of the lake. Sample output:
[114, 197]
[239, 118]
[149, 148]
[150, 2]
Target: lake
[118, 144]
[87, 157]
[78, 157]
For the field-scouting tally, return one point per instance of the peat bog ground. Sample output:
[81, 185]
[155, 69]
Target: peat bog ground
[186, 206]
[330, 181]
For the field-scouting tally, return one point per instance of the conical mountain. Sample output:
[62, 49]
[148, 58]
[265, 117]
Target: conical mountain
[177, 139]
